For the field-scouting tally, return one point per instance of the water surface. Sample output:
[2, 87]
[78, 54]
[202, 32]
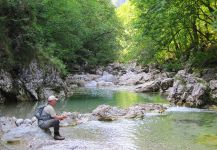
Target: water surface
[176, 129]
[84, 101]
[172, 131]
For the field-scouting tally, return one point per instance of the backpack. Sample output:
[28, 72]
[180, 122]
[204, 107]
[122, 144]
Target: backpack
[38, 111]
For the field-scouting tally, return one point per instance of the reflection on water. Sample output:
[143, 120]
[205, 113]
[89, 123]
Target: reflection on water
[85, 100]
[22, 109]
[178, 129]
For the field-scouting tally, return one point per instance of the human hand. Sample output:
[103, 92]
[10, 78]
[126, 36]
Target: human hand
[63, 117]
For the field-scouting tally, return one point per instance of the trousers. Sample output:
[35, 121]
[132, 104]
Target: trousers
[50, 123]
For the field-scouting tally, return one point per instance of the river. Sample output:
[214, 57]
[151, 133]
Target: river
[176, 129]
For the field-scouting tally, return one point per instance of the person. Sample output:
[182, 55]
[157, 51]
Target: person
[49, 118]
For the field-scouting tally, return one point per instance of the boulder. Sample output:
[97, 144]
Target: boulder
[213, 91]
[91, 84]
[27, 122]
[104, 84]
[151, 86]
[130, 78]
[166, 83]
[80, 80]
[6, 81]
[24, 133]
[107, 77]
[18, 122]
[139, 111]
[188, 89]
[108, 113]
[146, 77]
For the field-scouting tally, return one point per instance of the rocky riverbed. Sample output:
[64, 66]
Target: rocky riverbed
[192, 89]
[182, 87]
[25, 134]
[34, 83]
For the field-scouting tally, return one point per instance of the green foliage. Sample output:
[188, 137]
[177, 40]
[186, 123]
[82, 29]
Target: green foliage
[170, 31]
[65, 33]
[204, 59]
[81, 32]
[16, 35]
[173, 66]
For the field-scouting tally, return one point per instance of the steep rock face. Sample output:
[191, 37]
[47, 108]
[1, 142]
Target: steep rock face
[31, 83]
[188, 90]
[42, 82]
[5, 81]
[11, 89]
[6, 85]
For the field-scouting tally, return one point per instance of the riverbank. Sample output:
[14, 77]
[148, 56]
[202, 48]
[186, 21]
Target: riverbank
[183, 88]
[95, 130]
[25, 133]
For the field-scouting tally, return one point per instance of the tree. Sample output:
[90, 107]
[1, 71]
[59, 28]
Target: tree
[173, 31]
[64, 33]
[16, 35]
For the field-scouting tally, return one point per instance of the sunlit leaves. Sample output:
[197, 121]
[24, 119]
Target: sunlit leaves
[170, 30]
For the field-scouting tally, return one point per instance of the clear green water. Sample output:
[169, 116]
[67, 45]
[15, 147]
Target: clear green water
[178, 129]
[84, 101]
[174, 131]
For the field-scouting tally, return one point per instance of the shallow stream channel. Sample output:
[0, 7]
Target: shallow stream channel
[178, 128]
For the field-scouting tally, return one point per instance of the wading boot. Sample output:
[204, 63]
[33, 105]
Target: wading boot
[57, 136]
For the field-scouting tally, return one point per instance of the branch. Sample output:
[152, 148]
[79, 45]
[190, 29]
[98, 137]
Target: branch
[211, 10]
[203, 35]
[203, 20]
[98, 36]
[206, 14]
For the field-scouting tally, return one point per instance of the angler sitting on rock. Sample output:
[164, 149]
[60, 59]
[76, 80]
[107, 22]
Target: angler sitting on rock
[48, 118]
